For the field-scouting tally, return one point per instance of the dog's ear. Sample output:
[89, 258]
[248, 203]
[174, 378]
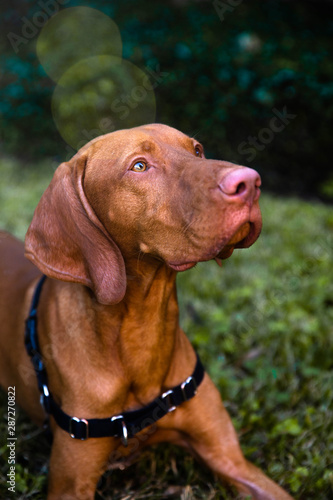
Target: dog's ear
[67, 241]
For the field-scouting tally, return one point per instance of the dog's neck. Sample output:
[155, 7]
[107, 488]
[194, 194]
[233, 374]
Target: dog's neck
[134, 340]
[144, 324]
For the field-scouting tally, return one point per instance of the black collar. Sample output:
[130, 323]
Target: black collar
[125, 425]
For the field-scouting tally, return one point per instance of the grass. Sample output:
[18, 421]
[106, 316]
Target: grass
[263, 327]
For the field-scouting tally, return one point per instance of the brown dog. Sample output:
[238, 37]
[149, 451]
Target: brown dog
[111, 231]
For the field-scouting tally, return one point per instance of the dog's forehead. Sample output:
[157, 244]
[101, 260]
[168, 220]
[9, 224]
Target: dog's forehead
[164, 133]
[146, 139]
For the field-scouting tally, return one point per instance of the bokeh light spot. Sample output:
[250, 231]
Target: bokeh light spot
[74, 34]
[99, 95]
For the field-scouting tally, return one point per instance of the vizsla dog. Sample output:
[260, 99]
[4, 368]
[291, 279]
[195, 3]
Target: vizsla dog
[103, 345]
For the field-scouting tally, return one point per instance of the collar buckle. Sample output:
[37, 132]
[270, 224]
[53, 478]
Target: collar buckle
[124, 431]
[191, 385]
[166, 397]
[79, 421]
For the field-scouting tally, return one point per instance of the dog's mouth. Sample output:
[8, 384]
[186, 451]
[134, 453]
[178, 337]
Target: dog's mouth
[182, 267]
[244, 237]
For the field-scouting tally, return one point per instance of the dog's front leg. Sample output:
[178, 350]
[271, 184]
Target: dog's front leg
[76, 466]
[209, 431]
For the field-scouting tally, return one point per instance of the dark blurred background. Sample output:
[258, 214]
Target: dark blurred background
[251, 79]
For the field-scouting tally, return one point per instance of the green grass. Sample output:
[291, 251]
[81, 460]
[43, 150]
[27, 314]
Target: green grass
[263, 325]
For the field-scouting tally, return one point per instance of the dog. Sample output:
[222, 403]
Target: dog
[89, 313]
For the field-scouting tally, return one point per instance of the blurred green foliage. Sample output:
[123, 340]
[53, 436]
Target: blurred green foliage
[219, 75]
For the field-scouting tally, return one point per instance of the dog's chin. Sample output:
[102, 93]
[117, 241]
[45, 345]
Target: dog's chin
[244, 237]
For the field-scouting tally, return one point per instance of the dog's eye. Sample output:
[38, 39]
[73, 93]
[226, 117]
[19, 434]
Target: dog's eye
[139, 166]
[197, 151]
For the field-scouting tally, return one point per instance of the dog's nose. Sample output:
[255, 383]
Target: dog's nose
[241, 184]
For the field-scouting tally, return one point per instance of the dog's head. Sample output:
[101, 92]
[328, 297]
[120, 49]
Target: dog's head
[143, 193]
